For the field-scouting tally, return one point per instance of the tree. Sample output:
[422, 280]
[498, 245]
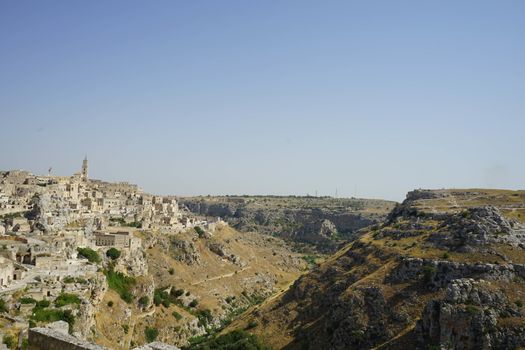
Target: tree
[144, 301]
[89, 254]
[3, 306]
[151, 334]
[113, 253]
[199, 231]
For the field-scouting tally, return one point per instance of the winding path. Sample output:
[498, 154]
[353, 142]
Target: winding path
[221, 276]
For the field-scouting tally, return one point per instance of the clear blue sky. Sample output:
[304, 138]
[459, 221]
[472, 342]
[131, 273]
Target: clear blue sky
[373, 98]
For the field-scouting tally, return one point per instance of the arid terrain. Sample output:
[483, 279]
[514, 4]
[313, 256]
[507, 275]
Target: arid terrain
[315, 223]
[445, 270]
[225, 272]
[93, 262]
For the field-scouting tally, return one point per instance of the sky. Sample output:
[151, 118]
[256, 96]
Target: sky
[364, 98]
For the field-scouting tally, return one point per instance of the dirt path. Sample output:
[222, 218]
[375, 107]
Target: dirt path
[226, 275]
[132, 323]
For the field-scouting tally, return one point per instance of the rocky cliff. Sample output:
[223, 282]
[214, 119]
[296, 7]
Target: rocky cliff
[445, 271]
[319, 221]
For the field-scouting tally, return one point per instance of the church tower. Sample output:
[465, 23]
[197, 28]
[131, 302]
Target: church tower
[84, 172]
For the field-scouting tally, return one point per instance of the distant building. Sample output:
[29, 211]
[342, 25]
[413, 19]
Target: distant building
[121, 239]
[84, 171]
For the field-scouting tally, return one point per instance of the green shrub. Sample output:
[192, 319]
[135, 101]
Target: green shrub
[119, 221]
[120, 283]
[125, 328]
[25, 343]
[110, 303]
[144, 301]
[311, 260]
[252, 324]
[205, 317]
[193, 303]
[52, 315]
[9, 341]
[12, 215]
[157, 299]
[89, 254]
[171, 271]
[68, 279]
[446, 255]
[199, 231]
[66, 299]
[428, 272]
[235, 340]
[471, 309]
[519, 303]
[161, 296]
[176, 292]
[113, 253]
[151, 334]
[136, 224]
[177, 316]
[43, 303]
[3, 306]
[27, 300]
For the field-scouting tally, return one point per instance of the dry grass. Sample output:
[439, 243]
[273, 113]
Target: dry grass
[210, 281]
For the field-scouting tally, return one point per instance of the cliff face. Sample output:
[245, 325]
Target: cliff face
[320, 221]
[446, 270]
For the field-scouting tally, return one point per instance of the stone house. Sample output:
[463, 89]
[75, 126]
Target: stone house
[120, 239]
[7, 270]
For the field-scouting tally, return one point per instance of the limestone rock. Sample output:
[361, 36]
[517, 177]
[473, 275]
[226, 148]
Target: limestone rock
[185, 251]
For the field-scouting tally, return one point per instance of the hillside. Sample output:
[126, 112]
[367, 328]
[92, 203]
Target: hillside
[321, 222]
[446, 270]
[197, 282]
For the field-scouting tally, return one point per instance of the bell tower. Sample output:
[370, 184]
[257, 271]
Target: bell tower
[84, 172]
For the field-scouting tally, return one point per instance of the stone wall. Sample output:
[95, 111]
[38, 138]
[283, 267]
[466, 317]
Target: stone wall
[50, 339]
[55, 339]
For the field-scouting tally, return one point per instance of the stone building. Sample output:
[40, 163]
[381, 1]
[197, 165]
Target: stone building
[120, 239]
[7, 270]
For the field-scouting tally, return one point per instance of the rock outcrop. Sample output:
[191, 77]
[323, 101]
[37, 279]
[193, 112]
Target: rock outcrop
[185, 251]
[431, 276]
[319, 221]
[49, 212]
[468, 317]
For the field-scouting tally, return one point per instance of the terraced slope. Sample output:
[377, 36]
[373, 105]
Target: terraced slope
[446, 270]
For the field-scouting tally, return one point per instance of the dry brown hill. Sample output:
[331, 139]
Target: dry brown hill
[195, 284]
[446, 270]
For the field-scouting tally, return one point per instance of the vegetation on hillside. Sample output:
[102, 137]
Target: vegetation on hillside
[67, 299]
[235, 340]
[113, 253]
[120, 283]
[89, 254]
[120, 221]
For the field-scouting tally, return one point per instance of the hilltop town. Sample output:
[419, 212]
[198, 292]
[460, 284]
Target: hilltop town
[53, 229]
[83, 261]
